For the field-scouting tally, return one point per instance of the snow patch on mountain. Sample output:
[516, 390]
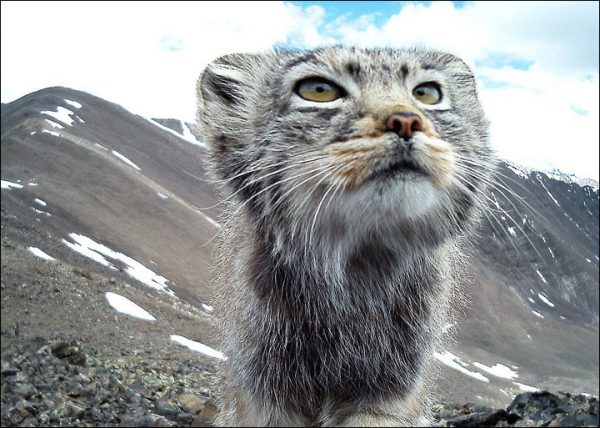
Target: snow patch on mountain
[126, 306]
[54, 124]
[525, 388]
[198, 347]
[186, 136]
[545, 300]
[45, 131]
[39, 253]
[97, 252]
[451, 361]
[541, 276]
[73, 103]
[498, 370]
[517, 171]
[61, 114]
[10, 185]
[41, 212]
[126, 160]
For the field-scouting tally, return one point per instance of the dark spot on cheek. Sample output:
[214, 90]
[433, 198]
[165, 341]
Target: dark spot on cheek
[323, 113]
[341, 133]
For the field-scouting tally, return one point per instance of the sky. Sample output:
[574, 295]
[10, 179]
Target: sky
[536, 62]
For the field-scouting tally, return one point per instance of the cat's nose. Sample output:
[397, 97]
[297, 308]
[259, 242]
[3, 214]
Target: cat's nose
[404, 124]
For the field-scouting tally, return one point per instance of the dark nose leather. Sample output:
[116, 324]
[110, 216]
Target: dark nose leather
[404, 124]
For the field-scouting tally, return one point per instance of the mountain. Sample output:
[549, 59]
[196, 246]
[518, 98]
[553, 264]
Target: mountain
[126, 201]
[114, 177]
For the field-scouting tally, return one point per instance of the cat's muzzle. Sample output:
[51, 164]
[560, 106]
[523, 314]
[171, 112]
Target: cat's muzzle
[400, 162]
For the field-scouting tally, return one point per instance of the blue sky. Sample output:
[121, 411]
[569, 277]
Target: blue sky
[536, 62]
[380, 10]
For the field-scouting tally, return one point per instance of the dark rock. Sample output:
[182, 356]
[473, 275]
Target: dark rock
[565, 421]
[150, 420]
[185, 418]
[69, 351]
[166, 409]
[10, 371]
[83, 273]
[74, 409]
[24, 408]
[16, 418]
[532, 409]
[26, 391]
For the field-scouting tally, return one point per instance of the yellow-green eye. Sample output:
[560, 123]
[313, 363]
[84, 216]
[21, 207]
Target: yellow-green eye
[318, 90]
[428, 93]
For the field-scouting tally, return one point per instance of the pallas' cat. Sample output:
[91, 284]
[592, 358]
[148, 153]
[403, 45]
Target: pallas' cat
[352, 179]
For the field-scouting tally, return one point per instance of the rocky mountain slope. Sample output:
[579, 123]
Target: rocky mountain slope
[122, 204]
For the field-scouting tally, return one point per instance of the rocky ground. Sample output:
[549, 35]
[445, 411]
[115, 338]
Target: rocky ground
[531, 409]
[62, 383]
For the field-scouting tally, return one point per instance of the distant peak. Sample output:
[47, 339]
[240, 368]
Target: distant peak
[554, 173]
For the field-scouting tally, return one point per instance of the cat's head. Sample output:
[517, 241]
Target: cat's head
[345, 140]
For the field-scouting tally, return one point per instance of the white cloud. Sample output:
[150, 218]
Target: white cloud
[147, 56]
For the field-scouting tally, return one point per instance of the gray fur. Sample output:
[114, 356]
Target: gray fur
[333, 280]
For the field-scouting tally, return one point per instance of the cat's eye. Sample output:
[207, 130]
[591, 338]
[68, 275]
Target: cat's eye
[318, 90]
[428, 93]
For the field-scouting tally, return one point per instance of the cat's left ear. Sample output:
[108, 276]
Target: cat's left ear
[226, 80]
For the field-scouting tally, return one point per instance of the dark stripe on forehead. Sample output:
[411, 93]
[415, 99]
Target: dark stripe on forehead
[353, 68]
[429, 66]
[310, 57]
[404, 70]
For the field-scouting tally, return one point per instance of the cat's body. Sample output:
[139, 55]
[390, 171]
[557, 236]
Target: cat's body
[352, 179]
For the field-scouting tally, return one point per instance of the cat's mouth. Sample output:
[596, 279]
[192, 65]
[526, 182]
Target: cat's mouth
[399, 168]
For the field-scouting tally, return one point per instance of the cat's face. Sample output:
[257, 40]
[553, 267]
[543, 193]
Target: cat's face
[348, 138]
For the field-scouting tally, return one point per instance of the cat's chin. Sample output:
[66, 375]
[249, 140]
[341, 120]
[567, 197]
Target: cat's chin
[403, 196]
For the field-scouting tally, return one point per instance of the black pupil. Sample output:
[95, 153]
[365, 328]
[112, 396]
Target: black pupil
[320, 89]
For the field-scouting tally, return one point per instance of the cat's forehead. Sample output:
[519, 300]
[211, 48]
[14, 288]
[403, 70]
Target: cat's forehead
[386, 62]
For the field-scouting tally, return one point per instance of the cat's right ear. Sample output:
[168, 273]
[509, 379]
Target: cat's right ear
[227, 80]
